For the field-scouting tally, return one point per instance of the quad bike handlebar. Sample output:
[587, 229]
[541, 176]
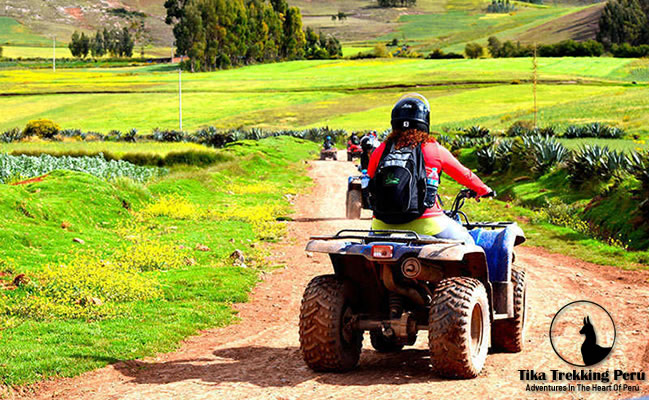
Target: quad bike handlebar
[456, 212]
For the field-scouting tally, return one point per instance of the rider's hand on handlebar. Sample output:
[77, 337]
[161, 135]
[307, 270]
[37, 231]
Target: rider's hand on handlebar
[491, 193]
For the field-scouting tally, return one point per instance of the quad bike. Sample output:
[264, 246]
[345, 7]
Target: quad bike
[329, 153]
[356, 198]
[395, 283]
[353, 151]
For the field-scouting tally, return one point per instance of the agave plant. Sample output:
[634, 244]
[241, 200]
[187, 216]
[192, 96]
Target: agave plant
[131, 136]
[547, 153]
[595, 163]
[461, 142]
[487, 160]
[11, 135]
[444, 139]
[574, 132]
[597, 130]
[476, 131]
[503, 149]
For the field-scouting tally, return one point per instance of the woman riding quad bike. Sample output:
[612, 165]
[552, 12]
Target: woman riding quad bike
[417, 268]
[396, 205]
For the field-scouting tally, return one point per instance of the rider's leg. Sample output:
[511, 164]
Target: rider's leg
[453, 230]
[440, 226]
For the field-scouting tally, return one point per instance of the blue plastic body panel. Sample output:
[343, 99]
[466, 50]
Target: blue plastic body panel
[498, 246]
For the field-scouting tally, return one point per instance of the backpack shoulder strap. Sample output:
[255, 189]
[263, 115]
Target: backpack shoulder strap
[386, 150]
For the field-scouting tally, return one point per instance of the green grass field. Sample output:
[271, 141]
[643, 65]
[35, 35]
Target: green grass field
[43, 218]
[345, 94]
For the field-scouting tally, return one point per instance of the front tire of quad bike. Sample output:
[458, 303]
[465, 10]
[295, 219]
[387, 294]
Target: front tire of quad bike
[335, 156]
[323, 156]
[350, 157]
[354, 204]
[459, 328]
[327, 342]
[383, 344]
[508, 335]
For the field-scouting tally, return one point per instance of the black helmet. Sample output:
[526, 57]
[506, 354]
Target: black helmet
[412, 111]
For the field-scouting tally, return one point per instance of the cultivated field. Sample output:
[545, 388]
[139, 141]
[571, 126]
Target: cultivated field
[351, 95]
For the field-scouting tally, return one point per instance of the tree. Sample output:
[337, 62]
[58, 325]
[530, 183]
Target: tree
[0, 51]
[341, 16]
[142, 35]
[79, 45]
[494, 46]
[97, 47]
[126, 43]
[474, 50]
[623, 21]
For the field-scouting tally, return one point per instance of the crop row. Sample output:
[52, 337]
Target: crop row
[14, 168]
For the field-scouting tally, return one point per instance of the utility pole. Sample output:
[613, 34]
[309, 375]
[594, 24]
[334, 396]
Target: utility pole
[180, 98]
[535, 80]
[54, 53]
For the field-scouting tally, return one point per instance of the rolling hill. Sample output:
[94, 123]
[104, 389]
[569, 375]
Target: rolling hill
[446, 24]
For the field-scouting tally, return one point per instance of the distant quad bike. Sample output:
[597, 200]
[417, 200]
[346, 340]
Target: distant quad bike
[356, 199]
[353, 151]
[395, 283]
[329, 153]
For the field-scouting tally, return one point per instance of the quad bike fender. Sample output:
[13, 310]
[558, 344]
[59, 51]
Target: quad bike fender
[499, 251]
[498, 247]
[469, 255]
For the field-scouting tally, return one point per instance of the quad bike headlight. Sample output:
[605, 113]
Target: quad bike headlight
[382, 251]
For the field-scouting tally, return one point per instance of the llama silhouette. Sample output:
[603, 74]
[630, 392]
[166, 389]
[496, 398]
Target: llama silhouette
[591, 352]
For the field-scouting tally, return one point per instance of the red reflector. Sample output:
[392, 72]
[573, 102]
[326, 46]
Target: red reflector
[382, 251]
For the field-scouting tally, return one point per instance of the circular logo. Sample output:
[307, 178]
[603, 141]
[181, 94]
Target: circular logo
[582, 333]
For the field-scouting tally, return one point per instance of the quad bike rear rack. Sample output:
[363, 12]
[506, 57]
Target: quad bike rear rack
[383, 235]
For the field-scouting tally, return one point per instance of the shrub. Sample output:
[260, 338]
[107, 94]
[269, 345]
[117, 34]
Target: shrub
[625, 50]
[571, 48]
[474, 50]
[42, 128]
[439, 54]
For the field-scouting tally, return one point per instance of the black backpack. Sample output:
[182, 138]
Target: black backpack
[398, 188]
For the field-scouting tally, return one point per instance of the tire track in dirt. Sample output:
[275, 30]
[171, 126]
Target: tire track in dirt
[259, 357]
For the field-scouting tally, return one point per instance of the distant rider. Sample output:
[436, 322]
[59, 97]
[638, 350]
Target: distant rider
[410, 129]
[328, 143]
[353, 139]
[369, 143]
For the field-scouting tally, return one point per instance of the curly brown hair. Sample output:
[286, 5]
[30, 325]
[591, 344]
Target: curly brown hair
[409, 138]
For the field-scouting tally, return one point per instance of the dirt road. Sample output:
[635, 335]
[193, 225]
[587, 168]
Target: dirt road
[259, 357]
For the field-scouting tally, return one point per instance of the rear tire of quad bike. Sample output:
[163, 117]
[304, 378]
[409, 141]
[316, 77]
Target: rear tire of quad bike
[354, 204]
[335, 156]
[326, 340]
[383, 344]
[459, 328]
[508, 335]
[350, 157]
